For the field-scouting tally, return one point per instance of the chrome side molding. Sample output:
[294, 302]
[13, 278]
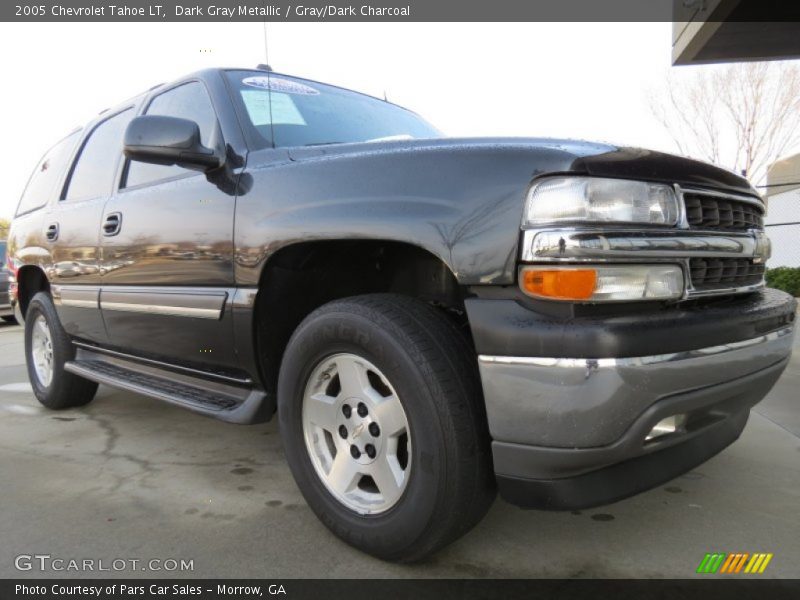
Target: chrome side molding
[79, 296]
[198, 303]
[156, 309]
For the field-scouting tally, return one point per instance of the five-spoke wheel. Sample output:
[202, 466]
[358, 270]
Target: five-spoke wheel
[357, 433]
[42, 351]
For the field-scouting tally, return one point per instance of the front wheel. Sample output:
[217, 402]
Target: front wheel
[47, 349]
[383, 424]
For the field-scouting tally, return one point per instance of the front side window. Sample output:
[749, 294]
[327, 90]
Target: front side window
[187, 101]
[94, 170]
[42, 183]
[295, 112]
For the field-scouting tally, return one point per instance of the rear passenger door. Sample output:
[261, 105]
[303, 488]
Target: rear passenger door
[72, 228]
[168, 251]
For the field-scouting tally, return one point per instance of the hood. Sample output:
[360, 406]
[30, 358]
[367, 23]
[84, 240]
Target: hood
[638, 163]
[575, 156]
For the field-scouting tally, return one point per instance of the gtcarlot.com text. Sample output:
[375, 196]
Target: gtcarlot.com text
[47, 562]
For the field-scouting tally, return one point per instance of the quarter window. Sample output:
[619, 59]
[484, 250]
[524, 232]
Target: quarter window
[187, 101]
[42, 183]
[94, 170]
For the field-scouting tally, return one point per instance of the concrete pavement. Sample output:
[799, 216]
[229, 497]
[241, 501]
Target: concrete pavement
[132, 478]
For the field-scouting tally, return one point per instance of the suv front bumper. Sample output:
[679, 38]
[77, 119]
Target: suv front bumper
[572, 432]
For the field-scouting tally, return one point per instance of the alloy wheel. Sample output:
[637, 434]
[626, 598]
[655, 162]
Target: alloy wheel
[42, 351]
[356, 433]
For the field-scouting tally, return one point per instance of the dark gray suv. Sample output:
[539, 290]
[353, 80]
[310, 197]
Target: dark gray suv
[433, 319]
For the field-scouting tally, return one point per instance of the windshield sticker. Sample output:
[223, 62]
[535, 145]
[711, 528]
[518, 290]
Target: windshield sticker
[277, 84]
[284, 110]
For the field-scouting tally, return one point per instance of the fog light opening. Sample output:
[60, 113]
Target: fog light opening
[670, 425]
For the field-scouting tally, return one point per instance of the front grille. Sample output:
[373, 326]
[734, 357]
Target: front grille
[705, 211]
[724, 273]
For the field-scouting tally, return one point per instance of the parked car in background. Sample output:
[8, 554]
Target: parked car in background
[434, 320]
[7, 283]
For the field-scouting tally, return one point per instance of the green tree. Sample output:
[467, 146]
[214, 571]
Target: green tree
[786, 279]
[5, 225]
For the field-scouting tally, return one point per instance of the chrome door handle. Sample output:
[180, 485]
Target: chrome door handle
[51, 233]
[112, 224]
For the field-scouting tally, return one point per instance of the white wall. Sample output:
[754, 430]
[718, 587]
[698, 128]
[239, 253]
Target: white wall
[783, 228]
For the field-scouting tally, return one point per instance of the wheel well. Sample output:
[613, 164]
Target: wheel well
[304, 276]
[30, 281]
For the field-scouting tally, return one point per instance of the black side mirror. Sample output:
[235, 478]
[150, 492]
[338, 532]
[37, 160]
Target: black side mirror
[171, 141]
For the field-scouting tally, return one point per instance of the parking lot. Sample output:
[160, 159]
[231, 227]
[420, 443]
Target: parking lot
[132, 478]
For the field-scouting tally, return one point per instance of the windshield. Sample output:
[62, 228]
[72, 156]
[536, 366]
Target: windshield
[2, 255]
[296, 112]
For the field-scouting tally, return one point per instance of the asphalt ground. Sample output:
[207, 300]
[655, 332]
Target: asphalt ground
[132, 478]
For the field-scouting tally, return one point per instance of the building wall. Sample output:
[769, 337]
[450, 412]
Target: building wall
[783, 212]
[783, 228]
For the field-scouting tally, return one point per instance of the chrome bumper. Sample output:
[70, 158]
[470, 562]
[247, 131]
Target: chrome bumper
[586, 403]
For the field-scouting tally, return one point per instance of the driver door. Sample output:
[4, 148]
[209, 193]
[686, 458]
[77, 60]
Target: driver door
[167, 246]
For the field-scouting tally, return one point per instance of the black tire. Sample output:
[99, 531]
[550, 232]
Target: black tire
[433, 368]
[65, 390]
[10, 319]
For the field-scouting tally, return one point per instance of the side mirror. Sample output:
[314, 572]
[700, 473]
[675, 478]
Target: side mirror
[171, 141]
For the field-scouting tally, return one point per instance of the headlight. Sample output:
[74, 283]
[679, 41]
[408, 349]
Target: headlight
[602, 283]
[600, 200]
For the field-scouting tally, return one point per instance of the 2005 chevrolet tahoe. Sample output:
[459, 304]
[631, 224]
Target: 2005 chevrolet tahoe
[432, 319]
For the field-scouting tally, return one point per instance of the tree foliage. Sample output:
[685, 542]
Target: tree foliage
[785, 278]
[742, 117]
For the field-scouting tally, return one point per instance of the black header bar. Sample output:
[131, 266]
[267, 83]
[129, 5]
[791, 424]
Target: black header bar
[397, 10]
[709, 588]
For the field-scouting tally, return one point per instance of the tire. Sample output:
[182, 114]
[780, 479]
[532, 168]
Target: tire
[11, 319]
[61, 389]
[417, 359]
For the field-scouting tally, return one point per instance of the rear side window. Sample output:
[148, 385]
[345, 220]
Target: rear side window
[187, 101]
[93, 172]
[42, 182]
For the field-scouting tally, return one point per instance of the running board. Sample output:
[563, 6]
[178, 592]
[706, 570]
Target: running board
[223, 401]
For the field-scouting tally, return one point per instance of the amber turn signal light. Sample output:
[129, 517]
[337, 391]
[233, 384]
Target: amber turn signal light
[559, 284]
[602, 283]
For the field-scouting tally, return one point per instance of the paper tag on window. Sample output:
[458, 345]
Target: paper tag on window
[284, 110]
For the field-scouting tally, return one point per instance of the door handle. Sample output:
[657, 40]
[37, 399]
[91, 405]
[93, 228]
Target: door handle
[51, 233]
[112, 224]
